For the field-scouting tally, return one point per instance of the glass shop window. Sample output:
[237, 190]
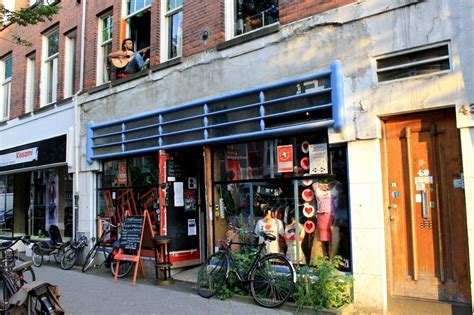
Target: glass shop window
[293, 187]
[128, 185]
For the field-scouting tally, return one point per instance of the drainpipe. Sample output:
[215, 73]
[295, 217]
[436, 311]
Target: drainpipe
[77, 123]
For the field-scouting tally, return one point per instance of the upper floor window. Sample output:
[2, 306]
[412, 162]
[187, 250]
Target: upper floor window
[135, 6]
[138, 19]
[104, 48]
[70, 63]
[49, 69]
[6, 81]
[244, 16]
[172, 29]
[30, 86]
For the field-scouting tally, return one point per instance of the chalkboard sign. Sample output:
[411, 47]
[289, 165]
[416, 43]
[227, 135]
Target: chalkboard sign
[131, 232]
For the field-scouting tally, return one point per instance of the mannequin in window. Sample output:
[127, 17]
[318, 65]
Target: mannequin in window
[271, 225]
[293, 242]
[327, 192]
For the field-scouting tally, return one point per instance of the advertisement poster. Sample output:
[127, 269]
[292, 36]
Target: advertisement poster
[318, 158]
[192, 227]
[285, 158]
[178, 194]
[52, 202]
[122, 173]
[190, 200]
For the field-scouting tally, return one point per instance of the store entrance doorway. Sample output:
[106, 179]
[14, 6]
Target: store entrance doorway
[182, 194]
[426, 208]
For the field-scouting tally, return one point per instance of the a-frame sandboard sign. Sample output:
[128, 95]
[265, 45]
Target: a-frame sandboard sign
[135, 229]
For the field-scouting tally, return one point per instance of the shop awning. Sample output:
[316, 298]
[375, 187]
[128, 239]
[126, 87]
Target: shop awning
[291, 106]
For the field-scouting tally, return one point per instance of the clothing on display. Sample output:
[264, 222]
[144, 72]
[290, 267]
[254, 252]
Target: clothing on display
[294, 243]
[273, 226]
[327, 198]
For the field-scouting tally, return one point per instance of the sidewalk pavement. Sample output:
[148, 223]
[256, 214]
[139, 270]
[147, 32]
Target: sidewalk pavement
[95, 293]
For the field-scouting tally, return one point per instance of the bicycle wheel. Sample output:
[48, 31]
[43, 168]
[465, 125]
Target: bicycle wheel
[69, 258]
[37, 257]
[124, 268]
[272, 281]
[212, 275]
[59, 255]
[90, 257]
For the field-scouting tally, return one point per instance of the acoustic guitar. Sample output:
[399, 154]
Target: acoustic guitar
[122, 61]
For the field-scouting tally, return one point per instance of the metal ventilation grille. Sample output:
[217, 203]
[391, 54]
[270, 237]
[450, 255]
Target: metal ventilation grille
[290, 106]
[414, 63]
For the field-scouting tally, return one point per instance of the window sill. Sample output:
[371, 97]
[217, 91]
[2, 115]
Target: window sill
[166, 64]
[99, 88]
[131, 77]
[264, 31]
[44, 108]
[25, 115]
[64, 101]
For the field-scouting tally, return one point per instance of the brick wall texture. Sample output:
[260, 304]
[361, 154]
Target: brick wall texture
[199, 17]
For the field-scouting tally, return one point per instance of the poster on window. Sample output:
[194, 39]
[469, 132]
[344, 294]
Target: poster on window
[318, 158]
[285, 158]
[51, 214]
[122, 173]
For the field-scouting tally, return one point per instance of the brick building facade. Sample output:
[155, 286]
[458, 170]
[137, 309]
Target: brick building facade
[230, 84]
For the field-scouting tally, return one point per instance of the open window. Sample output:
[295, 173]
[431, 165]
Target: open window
[243, 16]
[138, 19]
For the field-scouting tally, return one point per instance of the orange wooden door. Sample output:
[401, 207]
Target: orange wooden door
[428, 231]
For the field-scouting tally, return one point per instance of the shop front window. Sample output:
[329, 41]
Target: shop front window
[129, 185]
[294, 188]
[6, 205]
[50, 203]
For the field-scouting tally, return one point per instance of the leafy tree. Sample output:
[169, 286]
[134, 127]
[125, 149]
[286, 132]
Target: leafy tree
[25, 17]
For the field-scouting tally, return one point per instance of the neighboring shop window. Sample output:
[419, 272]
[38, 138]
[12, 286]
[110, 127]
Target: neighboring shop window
[292, 187]
[50, 203]
[129, 185]
[6, 205]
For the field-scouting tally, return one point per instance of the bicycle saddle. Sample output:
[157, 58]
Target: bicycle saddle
[268, 236]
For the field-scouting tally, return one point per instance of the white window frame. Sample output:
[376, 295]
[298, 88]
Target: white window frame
[5, 89]
[30, 84]
[49, 80]
[165, 31]
[101, 57]
[70, 45]
[124, 9]
[230, 23]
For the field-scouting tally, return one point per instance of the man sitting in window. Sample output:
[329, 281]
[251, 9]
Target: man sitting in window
[127, 60]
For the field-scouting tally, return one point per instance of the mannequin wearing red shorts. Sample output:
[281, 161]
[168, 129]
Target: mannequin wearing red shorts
[327, 194]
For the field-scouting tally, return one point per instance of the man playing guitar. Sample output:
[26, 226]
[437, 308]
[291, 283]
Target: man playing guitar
[127, 59]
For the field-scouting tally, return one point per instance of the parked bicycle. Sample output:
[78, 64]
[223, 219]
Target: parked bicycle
[20, 290]
[53, 247]
[72, 252]
[108, 251]
[271, 277]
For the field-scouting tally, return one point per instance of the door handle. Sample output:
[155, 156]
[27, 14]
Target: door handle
[425, 205]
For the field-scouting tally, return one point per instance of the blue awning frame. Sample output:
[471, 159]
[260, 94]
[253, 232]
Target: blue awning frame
[336, 91]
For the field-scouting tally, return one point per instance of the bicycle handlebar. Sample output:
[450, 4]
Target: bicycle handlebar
[11, 242]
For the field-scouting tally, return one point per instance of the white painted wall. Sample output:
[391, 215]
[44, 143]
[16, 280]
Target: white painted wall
[40, 126]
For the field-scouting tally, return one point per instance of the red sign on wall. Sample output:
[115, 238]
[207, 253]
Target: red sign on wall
[285, 158]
